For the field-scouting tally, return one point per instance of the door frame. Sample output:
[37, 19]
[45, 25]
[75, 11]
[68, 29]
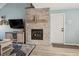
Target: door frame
[63, 25]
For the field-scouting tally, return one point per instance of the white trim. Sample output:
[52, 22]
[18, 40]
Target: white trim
[64, 27]
[71, 44]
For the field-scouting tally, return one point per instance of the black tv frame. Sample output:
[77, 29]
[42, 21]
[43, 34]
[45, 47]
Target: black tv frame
[16, 23]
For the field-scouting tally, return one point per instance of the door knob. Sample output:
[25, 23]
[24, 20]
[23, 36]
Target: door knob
[62, 29]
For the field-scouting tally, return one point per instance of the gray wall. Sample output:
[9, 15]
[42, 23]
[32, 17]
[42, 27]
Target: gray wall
[11, 11]
[71, 25]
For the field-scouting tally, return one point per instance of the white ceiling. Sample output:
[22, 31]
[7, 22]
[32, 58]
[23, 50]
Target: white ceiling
[2, 5]
[56, 6]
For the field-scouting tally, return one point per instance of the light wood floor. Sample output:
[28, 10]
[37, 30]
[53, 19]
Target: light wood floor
[44, 50]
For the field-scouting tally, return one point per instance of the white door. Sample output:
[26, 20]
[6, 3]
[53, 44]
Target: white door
[57, 28]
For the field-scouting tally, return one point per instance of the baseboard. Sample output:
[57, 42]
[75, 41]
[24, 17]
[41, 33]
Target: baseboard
[65, 46]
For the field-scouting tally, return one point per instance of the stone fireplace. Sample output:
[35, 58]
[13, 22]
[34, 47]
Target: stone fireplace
[37, 26]
[33, 29]
[37, 34]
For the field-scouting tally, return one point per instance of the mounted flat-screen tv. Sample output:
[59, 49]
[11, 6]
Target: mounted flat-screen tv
[16, 23]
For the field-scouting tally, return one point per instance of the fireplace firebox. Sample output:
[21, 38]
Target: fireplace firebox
[37, 34]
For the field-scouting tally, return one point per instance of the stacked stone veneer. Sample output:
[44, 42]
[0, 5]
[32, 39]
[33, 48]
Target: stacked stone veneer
[42, 14]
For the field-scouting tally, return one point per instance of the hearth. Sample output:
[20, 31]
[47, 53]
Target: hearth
[37, 34]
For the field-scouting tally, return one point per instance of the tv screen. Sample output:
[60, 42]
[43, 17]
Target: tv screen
[16, 23]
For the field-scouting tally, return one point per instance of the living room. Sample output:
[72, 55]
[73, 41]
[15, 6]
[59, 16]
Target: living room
[39, 29]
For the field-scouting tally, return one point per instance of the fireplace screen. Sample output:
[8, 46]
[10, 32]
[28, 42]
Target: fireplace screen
[37, 34]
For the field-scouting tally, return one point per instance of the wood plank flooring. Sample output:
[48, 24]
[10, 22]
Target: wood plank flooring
[46, 50]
